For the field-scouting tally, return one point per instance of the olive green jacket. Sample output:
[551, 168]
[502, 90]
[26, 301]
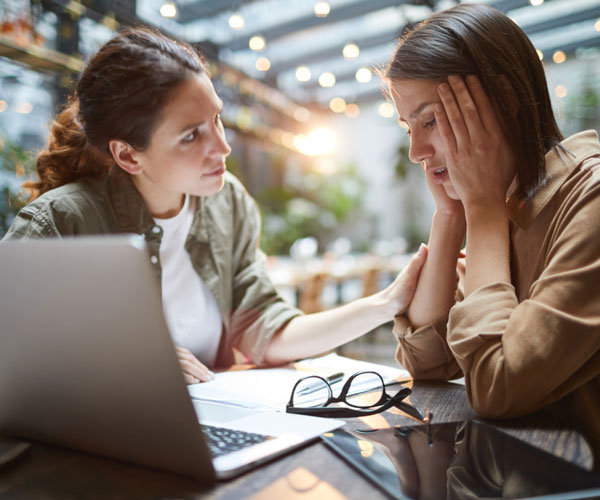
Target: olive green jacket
[222, 243]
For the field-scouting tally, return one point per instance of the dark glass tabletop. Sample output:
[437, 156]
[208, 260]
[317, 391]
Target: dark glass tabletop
[460, 460]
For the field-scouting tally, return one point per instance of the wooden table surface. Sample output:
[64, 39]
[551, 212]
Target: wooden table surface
[312, 472]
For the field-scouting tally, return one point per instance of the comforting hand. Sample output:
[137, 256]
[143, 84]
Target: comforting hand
[193, 370]
[402, 290]
[478, 157]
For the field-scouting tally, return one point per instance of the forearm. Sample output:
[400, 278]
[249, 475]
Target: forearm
[313, 334]
[435, 293]
[488, 247]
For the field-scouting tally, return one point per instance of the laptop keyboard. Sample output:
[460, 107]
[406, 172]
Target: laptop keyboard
[221, 440]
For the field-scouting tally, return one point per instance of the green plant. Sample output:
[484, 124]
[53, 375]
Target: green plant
[313, 208]
[15, 165]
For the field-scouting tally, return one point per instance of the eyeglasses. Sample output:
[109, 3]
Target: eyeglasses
[364, 392]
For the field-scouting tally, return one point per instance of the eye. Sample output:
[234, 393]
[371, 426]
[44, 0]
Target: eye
[429, 123]
[190, 137]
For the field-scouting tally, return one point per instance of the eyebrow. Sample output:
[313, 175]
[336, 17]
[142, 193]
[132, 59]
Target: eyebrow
[417, 111]
[197, 124]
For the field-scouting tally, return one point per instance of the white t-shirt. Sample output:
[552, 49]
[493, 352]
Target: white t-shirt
[190, 308]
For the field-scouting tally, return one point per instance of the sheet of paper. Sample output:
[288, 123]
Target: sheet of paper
[270, 388]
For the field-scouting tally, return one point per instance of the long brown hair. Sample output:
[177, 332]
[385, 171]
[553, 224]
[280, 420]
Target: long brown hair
[472, 39]
[120, 95]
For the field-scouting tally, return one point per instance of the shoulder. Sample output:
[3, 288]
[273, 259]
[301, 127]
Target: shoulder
[61, 211]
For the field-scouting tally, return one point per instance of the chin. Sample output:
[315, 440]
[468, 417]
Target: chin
[208, 189]
[451, 192]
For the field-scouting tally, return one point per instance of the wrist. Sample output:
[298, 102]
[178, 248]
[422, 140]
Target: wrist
[385, 304]
[485, 212]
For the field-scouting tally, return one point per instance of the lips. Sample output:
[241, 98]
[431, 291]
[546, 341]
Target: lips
[216, 171]
[439, 174]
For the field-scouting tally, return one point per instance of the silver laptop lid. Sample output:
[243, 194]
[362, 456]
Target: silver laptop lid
[86, 360]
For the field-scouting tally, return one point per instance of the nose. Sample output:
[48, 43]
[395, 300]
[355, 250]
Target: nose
[420, 149]
[220, 146]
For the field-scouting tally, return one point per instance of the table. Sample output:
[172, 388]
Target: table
[312, 472]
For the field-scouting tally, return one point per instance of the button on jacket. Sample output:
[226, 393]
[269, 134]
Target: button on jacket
[222, 243]
[534, 342]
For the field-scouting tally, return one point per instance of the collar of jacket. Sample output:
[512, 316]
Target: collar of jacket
[559, 165]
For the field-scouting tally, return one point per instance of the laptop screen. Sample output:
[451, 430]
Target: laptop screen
[459, 460]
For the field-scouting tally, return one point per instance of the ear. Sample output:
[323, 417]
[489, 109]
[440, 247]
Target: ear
[125, 156]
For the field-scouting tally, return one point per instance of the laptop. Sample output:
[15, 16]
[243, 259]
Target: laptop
[87, 362]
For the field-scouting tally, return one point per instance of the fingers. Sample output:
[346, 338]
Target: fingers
[487, 114]
[193, 370]
[445, 127]
[454, 116]
[469, 111]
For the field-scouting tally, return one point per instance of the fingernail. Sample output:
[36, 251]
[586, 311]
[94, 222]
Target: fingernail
[421, 250]
[443, 88]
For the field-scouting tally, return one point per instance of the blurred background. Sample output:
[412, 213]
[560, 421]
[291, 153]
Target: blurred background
[314, 139]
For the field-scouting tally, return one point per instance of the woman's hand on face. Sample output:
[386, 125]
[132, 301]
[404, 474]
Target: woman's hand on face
[193, 370]
[444, 204]
[479, 160]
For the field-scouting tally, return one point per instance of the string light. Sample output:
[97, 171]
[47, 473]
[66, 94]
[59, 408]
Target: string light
[302, 74]
[322, 9]
[560, 91]
[302, 114]
[559, 57]
[257, 43]
[3, 106]
[168, 9]
[327, 79]
[363, 75]
[386, 110]
[337, 105]
[24, 108]
[236, 21]
[263, 64]
[597, 25]
[536, 3]
[351, 51]
[352, 110]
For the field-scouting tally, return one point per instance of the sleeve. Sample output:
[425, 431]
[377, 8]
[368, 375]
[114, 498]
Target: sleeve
[259, 312]
[424, 351]
[33, 221]
[520, 356]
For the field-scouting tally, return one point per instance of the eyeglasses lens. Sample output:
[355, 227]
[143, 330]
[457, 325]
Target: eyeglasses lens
[370, 382]
[311, 392]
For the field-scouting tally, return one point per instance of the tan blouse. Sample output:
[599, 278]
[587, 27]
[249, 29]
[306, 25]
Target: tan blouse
[526, 345]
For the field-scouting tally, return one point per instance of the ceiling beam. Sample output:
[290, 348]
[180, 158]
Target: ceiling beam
[562, 21]
[334, 51]
[208, 8]
[349, 11]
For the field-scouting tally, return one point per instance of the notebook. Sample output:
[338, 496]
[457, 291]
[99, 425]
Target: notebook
[87, 362]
